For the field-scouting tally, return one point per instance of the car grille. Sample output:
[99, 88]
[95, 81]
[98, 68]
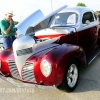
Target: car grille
[13, 69]
[24, 51]
[28, 72]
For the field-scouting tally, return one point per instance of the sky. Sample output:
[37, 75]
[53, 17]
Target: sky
[22, 8]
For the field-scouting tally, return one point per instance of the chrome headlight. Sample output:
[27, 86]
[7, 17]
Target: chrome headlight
[46, 68]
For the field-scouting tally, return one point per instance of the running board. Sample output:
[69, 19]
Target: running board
[20, 84]
[93, 55]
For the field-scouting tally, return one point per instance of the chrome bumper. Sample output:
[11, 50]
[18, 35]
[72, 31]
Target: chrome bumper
[20, 84]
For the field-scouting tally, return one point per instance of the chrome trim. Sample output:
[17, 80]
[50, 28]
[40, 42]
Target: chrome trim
[28, 72]
[93, 58]
[24, 51]
[21, 84]
[13, 69]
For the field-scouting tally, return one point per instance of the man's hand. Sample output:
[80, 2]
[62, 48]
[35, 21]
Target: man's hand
[9, 28]
[10, 22]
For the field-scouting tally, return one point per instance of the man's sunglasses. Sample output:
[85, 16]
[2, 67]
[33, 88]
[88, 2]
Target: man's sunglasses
[10, 16]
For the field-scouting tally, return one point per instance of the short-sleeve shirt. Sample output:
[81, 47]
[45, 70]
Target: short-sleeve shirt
[4, 24]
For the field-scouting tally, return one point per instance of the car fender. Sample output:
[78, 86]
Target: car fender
[60, 56]
[4, 55]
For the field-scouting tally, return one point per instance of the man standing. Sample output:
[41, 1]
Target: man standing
[98, 18]
[8, 30]
[99, 23]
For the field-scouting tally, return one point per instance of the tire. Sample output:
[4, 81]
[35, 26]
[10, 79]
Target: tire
[71, 76]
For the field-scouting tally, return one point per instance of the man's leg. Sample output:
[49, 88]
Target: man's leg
[7, 43]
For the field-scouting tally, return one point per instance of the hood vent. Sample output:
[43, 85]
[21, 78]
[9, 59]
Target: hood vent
[24, 51]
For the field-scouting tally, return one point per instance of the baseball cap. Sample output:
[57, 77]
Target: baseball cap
[9, 12]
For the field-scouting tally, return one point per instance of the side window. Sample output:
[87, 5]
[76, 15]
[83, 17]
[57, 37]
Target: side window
[87, 16]
[95, 16]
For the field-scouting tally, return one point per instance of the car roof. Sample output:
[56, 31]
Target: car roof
[76, 9]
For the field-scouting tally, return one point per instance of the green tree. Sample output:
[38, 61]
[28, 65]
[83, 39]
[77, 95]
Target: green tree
[81, 4]
[97, 12]
[16, 22]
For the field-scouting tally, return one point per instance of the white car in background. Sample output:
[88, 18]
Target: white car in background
[1, 40]
[1, 43]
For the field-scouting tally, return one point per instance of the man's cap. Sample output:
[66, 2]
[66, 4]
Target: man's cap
[9, 12]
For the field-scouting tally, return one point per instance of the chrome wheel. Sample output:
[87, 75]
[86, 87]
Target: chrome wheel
[72, 75]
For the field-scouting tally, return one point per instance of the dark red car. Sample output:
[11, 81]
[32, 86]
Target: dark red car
[52, 48]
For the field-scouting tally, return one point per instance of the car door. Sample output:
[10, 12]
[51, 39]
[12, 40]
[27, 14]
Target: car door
[88, 33]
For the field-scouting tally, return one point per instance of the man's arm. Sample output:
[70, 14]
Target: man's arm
[9, 28]
[4, 28]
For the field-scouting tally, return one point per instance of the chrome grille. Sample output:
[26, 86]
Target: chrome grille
[24, 51]
[28, 72]
[13, 69]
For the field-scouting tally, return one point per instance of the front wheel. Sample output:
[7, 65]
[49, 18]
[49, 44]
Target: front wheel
[71, 76]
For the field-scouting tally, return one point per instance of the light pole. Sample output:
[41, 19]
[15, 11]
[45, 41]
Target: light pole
[51, 5]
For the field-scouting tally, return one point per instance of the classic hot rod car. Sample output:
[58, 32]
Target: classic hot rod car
[50, 49]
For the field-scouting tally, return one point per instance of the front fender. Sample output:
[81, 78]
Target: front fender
[4, 56]
[60, 57]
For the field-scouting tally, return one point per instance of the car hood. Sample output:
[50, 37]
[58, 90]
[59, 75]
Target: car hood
[29, 20]
[23, 49]
[36, 18]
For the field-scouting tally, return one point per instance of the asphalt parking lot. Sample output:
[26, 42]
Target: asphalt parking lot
[88, 88]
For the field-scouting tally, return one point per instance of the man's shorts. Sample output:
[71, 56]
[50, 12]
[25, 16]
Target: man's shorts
[7, 41]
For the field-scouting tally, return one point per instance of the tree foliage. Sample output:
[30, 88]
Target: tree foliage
[81, 4]
[16, 22]
[97, 12]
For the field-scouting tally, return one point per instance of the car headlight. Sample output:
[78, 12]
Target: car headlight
[46, 68]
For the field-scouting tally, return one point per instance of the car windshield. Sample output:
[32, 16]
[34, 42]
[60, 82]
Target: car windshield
[19, 32]
[68, 19]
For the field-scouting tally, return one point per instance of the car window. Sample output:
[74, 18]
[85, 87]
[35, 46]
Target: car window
[71, 20]
[95, 16]
[88, 16]
[68, 18]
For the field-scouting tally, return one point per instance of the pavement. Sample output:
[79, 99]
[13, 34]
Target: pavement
[88, 88]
